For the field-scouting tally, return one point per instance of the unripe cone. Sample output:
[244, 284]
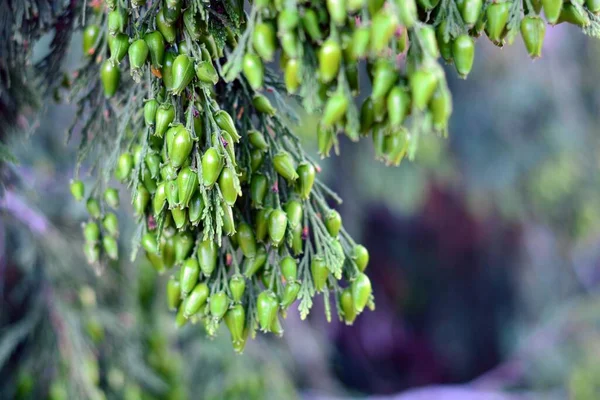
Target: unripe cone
[237, 287]
[497, 18]
[335, 109]
[207, 256]
[168, 30]
[293, 210]
[188, 276]
[90, 37]
[212, 164]
[138, 52]
[319, 273]
[266, 277]
[360, 255]
[297, 240]
[552, 10]
[77, 189]
[173, 294]
[367, 116]
[593, 6]
[206, 72]
[211, 46]
[168, 173]
[444, 45]
[422, 86]
[266, 305]
[227, 186]
[172, 192]
[347, 304]
[183, 48]
[257, 140]
[156, 48]
[149, 183]
[196, 299]
[289, 268]
[196, 209]
[441, 108]
[429, 41]
[533, 30]
[182, 147]
[183, 73]
[156, 262]
[110, 75]
[310, 22]
[262, 224]
[287, 20]
[330, 58]
[277, 226]
[246, 240]
[118, 45]
[333, 223]
[117, 22]
[150, 109]
[149, 243]
[110, 222]
[172, 9]
[228, 221]
[292, 77]
[253, 265]
[353, 83]
[259, 186]
[235, 319]
[183, 243]
[574, 15]
[263, 40]
[225, 122]
[167, 70]
[256, 159]
[254, 70]
[218, 305]
[408, 12]
[285, 166]
[337, 11]
[325, 141]
[379, 109]
[290, 293]
[263, 105]
[398, 104]
[187, 184]
[159, 199]
[180, 319]
[463, 50]
[361, 291]
[164, 116]
[383, 27]
[140, 201]
[359, 45]
[167, 250]
[384, 77]
[91, 232]
[276, 327]
[470, 10]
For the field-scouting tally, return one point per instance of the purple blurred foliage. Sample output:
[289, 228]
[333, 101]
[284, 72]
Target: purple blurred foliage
[442, 281]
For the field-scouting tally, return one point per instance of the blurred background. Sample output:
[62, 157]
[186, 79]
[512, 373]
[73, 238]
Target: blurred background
[485, 261]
